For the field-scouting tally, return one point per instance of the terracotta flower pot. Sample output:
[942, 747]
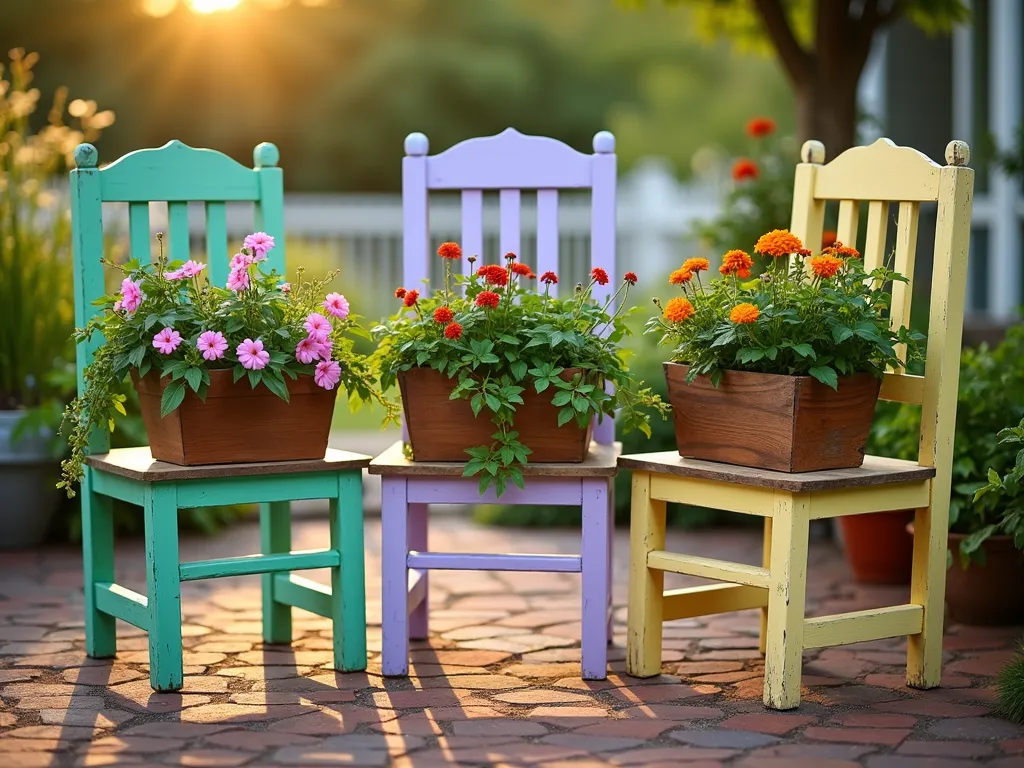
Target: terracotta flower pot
[770, 421]
[990, 594]
[877, 546]
[441, 429]
[237, 423]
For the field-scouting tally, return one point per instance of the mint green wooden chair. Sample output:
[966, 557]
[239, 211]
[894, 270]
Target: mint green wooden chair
[178, 174]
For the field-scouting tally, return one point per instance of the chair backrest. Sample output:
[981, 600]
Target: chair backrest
[879, 175]
[509, 163]
[176, 174]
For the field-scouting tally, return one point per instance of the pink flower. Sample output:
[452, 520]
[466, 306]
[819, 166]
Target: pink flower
[252, 355]
[212, 344]
[259, 243]
[191, 268]
[337, 305]
[175, 275]
[131, 295]
[167, 341]
[238, 279]
[240, 261]
[309, 350]
[327, 374]
[117, 305]
[286, 288]
[319, 327]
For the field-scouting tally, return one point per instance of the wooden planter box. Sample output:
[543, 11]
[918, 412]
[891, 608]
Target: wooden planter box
[237, 423]
[768, 421]
[441, 429]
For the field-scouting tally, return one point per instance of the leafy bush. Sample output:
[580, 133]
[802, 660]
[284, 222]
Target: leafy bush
[1001, 498]
[1010, 688]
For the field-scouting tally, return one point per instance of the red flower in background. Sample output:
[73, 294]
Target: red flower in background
[449, 251]
[744, 169]
[760, 127]
[599, 275]
[828, 238]
[522, 269]
[630, 277]
[443, 315]
[493, 274]
[487, 299]
[549, 278]
[400, 293]
[411, 298]
[453, 331]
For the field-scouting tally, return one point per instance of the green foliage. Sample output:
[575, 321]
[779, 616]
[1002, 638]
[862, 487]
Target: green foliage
[497, 343]
[821, 316]
[1010, 688]
[1001, 498]
[991, 380]
[174, 301]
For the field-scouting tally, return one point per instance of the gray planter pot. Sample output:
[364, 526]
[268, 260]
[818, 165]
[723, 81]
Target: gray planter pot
[28, 477]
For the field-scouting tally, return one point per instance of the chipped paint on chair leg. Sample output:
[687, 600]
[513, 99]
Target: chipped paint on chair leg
[348, 580]
[163, 586]
[98, 567]
[646, 585]
[766, 561]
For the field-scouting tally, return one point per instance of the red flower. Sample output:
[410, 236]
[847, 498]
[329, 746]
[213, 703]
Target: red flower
[411, 298]
[760, 127]
[449, 251]
[494, 274]
[599, 275]
[510, 256]
[744, 169]
[630, 278]
[549, 278]
[453, 331]
[400, 293]
[487, 299]
[828, 238]
[522, 269]
[443, 315]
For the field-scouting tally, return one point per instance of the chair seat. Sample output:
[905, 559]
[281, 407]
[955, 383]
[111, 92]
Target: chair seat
[876, 470]
[600, 462]
[138, 464]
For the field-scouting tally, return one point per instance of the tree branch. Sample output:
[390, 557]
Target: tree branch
[796, 61]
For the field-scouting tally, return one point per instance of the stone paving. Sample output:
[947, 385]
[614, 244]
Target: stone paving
[496, 685]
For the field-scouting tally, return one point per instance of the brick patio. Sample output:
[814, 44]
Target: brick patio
[497, 685]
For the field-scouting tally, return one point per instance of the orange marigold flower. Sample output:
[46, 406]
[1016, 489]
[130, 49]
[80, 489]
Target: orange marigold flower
[744, 313]
[744, 169]
[840, 250]
[680, 277]
[778, 243]
[825, 266]
[443, 315]
[449, 251]
[493, 274]
[743, 274]
[760, 127]
[487, 299]
[678, 309]
[411, 298]
[630, 277]
[400, 293]
[736, 261]
[453, 331]
[522, 269]
[598, 274]
[696, 265]
[828, 238]
[549, 278]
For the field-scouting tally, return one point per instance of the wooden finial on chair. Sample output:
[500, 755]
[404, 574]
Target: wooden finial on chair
[958, 153]
[86, 156]
[812, 152]
[416, 144]
[265, 155]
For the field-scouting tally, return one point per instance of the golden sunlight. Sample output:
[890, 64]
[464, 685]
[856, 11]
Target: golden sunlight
[213, 6]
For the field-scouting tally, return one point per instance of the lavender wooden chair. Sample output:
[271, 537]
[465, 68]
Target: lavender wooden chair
[509, 162]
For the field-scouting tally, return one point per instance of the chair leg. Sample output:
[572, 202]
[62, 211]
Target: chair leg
[275, 537]
[611, 560]
[98, 565]
[395, 577]
[787, 590]
[595, 579]
[164, 587]
[419, 622]
[766, 561]
[348, 580]
[928, 589]
[646, 585]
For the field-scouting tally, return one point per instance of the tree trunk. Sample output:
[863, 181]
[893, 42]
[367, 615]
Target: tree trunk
[827, 112]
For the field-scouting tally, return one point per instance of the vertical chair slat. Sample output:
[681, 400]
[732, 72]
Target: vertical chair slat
[846, 231]
[217, 242]
[906, 251]
[415, 216]
[547, 233]
[269, 209]
[472, 227]
[138, 233]
[177, 223]
[874, 242]
[509, 200]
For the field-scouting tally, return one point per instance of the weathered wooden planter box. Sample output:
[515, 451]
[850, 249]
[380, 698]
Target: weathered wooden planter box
[237, 423]
[769, 421]
[441, 429]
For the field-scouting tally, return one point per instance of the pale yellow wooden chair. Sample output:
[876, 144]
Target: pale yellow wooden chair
[879, 174]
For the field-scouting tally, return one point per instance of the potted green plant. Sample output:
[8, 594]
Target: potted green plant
[217, 369]
[36, 297]
[781, 372]
[500, 374]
